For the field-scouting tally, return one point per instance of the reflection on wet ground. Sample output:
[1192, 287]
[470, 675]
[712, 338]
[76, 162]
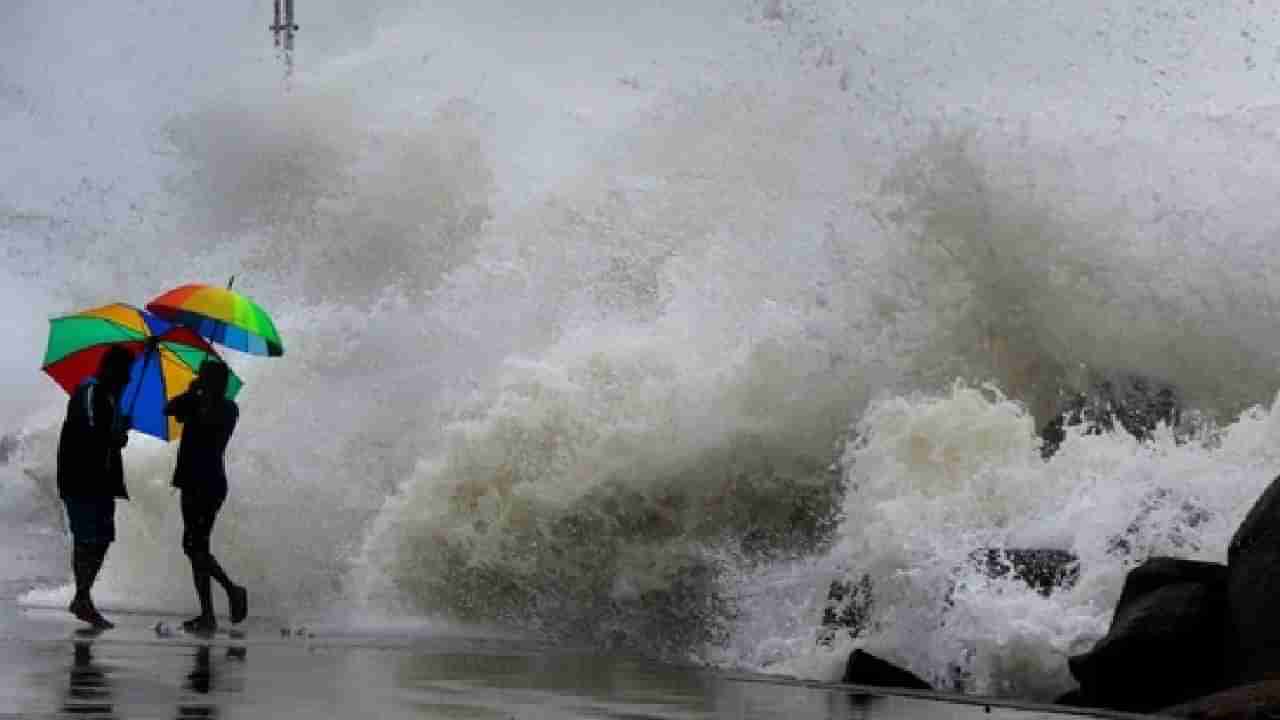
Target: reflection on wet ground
[91, 687]
[133, 671]
[89, 690]
[202, 680]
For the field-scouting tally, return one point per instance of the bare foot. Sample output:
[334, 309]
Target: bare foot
[239, 601]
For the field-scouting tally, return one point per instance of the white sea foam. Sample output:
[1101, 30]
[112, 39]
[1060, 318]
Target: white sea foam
[933, 478]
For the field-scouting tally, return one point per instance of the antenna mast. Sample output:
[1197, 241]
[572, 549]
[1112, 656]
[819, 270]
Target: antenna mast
[283, 28]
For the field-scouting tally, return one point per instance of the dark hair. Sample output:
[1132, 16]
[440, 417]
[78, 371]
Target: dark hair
[215, 375]
[115, 364]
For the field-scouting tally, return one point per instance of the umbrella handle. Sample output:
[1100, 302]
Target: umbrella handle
[146, 363]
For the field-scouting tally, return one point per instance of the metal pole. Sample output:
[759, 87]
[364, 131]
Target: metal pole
[275, 23]
[283, 28]
[289, 27]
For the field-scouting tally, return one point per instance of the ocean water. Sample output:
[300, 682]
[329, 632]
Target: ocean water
[633, 327]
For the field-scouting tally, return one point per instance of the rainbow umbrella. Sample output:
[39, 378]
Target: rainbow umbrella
[221, 315]
[166, 360]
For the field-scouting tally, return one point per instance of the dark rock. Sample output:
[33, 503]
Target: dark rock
[848, 609]
[1253, 561]
[1158, 572]
[1258, 701]
[1164, 645]
[1137, 404]
[864, 668]
[1184, 629]
[1259, 530]
[1043, 570]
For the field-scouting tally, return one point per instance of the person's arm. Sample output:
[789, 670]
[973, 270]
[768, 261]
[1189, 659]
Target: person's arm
[182, 406]
[226, 423]
[100, 412]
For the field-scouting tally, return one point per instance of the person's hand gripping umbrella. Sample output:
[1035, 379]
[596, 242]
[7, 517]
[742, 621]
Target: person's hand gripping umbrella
[231, 319]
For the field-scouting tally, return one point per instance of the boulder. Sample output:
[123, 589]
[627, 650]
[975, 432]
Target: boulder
[1164, 645]
[848, 609]
[1043, 570]
[864, 668]
[1253, 561]
[1133, 402]
[1158, 572]
[1257, 701]
[1258, 531]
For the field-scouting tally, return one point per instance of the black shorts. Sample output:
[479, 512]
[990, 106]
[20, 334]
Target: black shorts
[92, 519]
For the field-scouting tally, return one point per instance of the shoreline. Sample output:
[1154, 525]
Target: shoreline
[330, 674]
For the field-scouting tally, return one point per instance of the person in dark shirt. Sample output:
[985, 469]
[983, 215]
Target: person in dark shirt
[91, 474]
[208, 418]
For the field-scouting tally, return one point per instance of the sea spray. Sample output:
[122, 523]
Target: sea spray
[931, 478]
[594, 497]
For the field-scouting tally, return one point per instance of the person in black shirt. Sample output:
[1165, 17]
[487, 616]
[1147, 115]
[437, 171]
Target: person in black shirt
[91, 474]
[208, 418]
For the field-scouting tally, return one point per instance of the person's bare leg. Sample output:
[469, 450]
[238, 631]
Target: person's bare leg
[237, 595]
[205, 621]
[86, 561]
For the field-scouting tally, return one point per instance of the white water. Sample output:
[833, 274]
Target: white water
[581, 300]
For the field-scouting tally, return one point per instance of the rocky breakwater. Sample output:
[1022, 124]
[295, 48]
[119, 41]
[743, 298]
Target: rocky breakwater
[1188, 638]
[1165, 643]
[1195, 639]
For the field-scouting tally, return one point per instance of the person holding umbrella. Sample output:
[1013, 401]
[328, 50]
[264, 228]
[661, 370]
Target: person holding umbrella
[91, 473]
[228, 318]
[208, 418]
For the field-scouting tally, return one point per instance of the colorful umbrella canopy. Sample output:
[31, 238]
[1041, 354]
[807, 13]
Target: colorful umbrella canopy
[221, 315]
[167, 359]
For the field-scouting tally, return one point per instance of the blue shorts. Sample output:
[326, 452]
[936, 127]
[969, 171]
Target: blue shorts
[92, 520]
